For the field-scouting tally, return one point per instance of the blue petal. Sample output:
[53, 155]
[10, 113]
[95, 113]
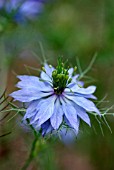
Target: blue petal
[71, 115]
[79, 110]
[46, 110]
[26, 95]
[40, 104]
[84, 103]
[30, 115]
[79, 90]
[57, 117]
[49, 69]
[27, 78]
[67, 122]
[33, 82]
[31, 110]
[80, 83]
[90, 96]
[88, 90]
[71, 86]
[47, 76]
[46, 128]
[70, 71]
[82, 114]
[75, 80]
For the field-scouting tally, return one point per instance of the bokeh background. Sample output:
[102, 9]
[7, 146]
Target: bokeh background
[72, 29]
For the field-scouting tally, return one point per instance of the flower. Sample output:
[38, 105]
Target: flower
[56, 98]
[20, 10]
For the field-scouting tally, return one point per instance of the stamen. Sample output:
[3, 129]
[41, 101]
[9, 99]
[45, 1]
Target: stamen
[43, 69]
[60, 78]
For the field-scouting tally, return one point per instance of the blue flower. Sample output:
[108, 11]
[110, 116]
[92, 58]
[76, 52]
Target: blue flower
[56, 98]
[20, 10]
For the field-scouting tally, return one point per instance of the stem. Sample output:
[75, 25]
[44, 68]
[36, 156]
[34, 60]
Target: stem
[31, 156]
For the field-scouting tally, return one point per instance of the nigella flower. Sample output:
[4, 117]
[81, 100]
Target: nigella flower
[20, 10]
[56, 98]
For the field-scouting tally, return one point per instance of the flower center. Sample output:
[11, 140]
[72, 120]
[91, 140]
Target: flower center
[60, 78]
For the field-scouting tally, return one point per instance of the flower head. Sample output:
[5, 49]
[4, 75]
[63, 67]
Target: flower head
[20, 10]
[55, 98]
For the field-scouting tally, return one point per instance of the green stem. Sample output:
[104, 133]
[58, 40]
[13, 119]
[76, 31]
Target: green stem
[31, 156]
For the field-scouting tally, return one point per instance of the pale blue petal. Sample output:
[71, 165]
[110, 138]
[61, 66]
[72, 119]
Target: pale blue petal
[82, 114]
[49, 69]
[45, 76]
[31, 110]
[74, 78]
[67, 122]
[84, 103]
[27, 95]
[41, 107]
[80, 83]
[57, 117]
[32, 106]
[69, 88]
[48, 75]
[71, 85]
[81, 90]
[46, 110]
[31, 119]
[41, 88]
[46, 128]
[27, 78]
[90, 96]
[70, 71]
[71, 115]
[88, 90]
[37, 109]
[30, 115]
[33, 82]
[40, 104]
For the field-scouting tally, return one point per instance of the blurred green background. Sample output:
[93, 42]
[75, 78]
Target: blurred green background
[70, 28]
